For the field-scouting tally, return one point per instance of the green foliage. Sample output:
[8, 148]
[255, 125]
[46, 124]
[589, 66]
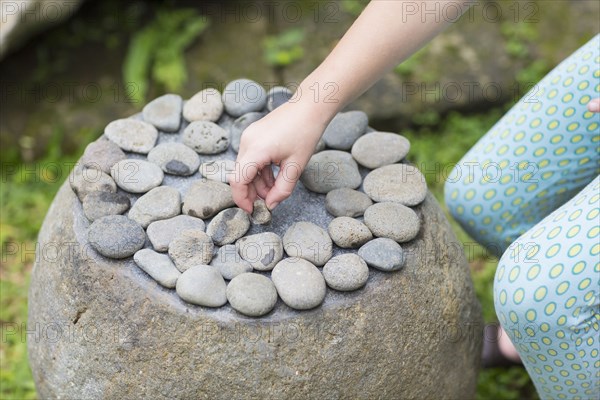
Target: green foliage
[354, 7]
[532, 74]
[25, 195]
[411, 65]
[518, 36]
[285, 48]
[159, 49]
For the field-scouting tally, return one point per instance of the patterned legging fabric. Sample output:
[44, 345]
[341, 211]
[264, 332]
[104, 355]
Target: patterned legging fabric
[529, 192]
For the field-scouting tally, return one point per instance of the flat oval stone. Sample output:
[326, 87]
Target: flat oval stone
[102, 155]
[260, 213]
[88, 180]
[399, 183]
[393, 220]
[377, 149]
[308, 241]
[205, 198]
[346, 202]
[175, 158]
[191, 247]
[206, 137]
[277, 96]
[346, 272]
[226, 122]
[132, 135]
[239, 126]
[299, 283]
[329, 170]
[228, 226]
[136, 176]
[349, 233]
[100, 204]
[262, 250]
[161, 233]
[253, 295]
[164, 112]
[320, 146]
[229, 262]
[116, 236]
[159, 203]
[383, 254]
[243, 96]
[219, 170]
[158, 266]
[344, 129]
[202, 285]
[206, 105]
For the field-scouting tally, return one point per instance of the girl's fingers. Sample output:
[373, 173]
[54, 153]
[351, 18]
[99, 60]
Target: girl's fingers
[262, 187]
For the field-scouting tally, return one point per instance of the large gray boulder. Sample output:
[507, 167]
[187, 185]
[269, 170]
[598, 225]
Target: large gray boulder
[23, 19]
[101, 328]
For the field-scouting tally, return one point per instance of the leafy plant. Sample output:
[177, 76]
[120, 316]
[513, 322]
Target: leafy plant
[285, 48]
[158, 50]
[354, 7]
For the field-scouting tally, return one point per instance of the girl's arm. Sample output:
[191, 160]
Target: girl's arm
[385, 34]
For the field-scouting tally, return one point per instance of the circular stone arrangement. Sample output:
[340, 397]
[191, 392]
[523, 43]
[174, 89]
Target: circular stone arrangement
[155, 187]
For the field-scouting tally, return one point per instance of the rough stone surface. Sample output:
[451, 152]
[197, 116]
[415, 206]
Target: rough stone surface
[159, 203]
[116, 236]
[262, 250]
[260, 213]
[87, 180]
[299, 283]
[164, 112]
[344, 129]
[346, 272]
[278, 96]
[423, 358]
[191, 247]
[239, 126]
[400, 183]
[219, 170]
[243, 96]
[205, 199]
[202, 285]
[329, 170]
[228, 226]
[162, 232]
[158, 266]
[346, 202]
[348, 232]
[137, 176]
[308, 241]
[377, 149]
[175, 158]
[206, 137]
[205, 105]
[253, 295]
[229, 262]
[320, 146]
[383, 254]
[100, 204]
[393, 221]
[132, 135]
[102, 154]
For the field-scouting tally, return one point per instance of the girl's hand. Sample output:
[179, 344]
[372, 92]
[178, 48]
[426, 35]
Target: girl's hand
[594, 106]
[286, 137]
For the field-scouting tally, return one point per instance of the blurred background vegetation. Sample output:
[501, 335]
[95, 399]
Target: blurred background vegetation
[104, 63]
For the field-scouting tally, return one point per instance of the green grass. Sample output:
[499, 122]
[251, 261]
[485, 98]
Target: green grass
[25, 199]
[24, 203]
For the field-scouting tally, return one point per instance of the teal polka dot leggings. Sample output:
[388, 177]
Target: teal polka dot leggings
[529, 192]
